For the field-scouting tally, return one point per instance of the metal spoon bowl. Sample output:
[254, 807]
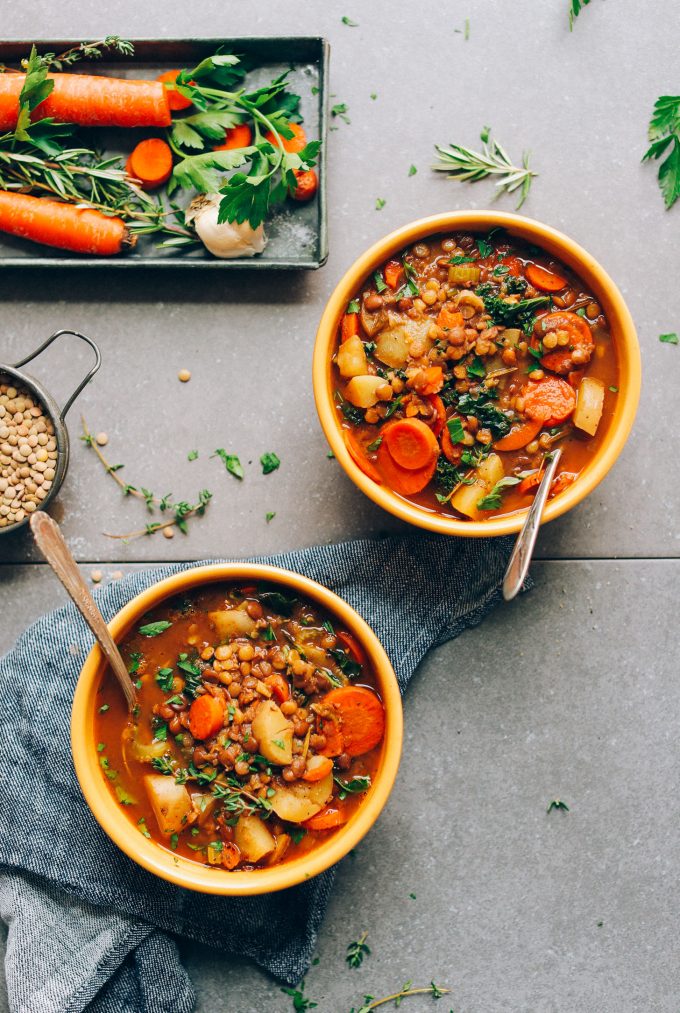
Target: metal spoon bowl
[518, 564]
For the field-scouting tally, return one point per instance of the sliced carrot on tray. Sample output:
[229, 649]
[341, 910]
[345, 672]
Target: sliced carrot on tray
[176, 99]
[150, 163]
[240, 136]
[290, 144]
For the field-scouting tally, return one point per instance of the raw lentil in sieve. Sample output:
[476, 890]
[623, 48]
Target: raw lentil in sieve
[28, 453]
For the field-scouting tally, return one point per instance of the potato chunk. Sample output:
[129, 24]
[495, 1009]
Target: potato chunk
[301, 800]
[491, 470]
[465, 499]
[230, 623]
[352, 359]
[274, 733]
[589, 405]
[253, 838]
[170, 802]
[361, 391]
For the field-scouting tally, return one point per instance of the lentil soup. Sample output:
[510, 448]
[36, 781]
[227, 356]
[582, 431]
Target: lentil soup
[258, 730]
[462, 362]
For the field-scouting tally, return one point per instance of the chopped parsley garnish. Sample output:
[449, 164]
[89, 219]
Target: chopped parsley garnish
[268, 633]
[353, 306]
[557, 803]
[231, 462]
[356, 786]
[192, 455]
[270, 515]
[155, 629]
[490, 417]
[494, 499]
[412, 170]
[174, 838]
[135, 659]
[380, 203]
[475, 369]
[380, 283]
[164, 677]
[669, 339]
[375, 444]
[163, 765]
[456, 431]
[485, 248]
[514, 314]
[350, 24]
[297, 833]
[123, 797]
[347, 665]
[392, 407]
[461, 260]
[143, 829]
[103, 709]
[270, 462]
[352, 414]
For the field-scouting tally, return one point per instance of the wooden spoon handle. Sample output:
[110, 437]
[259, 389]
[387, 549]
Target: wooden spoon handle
[50, 541]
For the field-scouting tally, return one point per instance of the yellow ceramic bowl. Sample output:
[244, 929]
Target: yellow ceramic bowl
[607, 294]
[179, 870]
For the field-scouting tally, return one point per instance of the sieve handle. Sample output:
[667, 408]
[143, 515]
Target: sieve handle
[88, 377]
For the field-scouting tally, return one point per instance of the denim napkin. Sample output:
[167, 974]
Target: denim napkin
[88, 928]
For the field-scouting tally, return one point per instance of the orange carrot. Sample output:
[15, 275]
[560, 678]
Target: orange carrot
[448, 318]
[531, 483]
[392, 273]
[90, 101]
[318, 767]
[82, 230]
[356, 452]
[335, 744]
[350, 326]
[240, 136]
[405, 481]
[520, 434]
[562, 482]
[513, 264]
[428, 381]
[150, 163]
[206, 716]
[544, 280]
[175, 99]
[411, 443]
[330, 817]
[306, 185]
[279, 687]
[436, 423]
[549, 401]
[352, 646]
[580, 336]
[451, 451]
[291, 144]
[362, 718]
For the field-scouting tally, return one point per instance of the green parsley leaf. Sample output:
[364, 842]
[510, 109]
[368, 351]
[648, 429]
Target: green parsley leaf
[341, 109]
[557, 803]
[461, 260]
[456, 431]
[123, 797]
[353, 306]
[164, 678]
[380, 203]
[375, 444]
[297, 833]
[664, 133]
[380, 283]
[614, 390]
[143, 829]
[350, 24]
[493, 499]
[475, 369]
[669, 339]
[231, 462]
[192, 455]
[103, 709]
[485, 248]
[155, 629]
[270, 462]
[412, 170]
[269, 516]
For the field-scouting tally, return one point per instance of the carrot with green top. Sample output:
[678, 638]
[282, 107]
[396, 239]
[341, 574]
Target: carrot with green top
[81, 230]
[90, 101]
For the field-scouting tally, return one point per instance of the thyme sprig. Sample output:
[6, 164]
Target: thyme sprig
[467, 165]
[370, 1003]
[88, 51]
[357, 950]
[181, 511]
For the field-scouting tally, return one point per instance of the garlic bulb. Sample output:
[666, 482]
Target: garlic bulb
[228, 239]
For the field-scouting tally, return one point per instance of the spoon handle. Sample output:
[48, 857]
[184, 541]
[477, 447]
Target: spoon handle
[518, 564]
[50, 541]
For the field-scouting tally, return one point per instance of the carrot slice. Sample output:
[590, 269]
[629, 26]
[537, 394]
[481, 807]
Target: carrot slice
[520, 434]
[580, 336]
[448, 318]
[356, 452]
[352, 646]
[362, 717]
[335, 743]
[513, 264]
[291, 144]
[562, 482]
[331, 816]
[392, 273]
[206, 716]
[240, 136]
[279, 687]
[428, 381]
[544, 280]
[350, 326]
[151, 163]
[82, 230]
[318, 767]
[411, 443]
[436, 424]
[405, 481]
[175, 99]
[549, 401]
[306, 185]
[451, 451]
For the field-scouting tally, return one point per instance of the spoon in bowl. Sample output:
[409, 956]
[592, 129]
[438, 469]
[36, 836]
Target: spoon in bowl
[518, 564]
[50, 541]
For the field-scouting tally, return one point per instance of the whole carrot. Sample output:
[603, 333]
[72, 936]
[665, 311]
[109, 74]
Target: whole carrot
[82, 230]
[90, 101]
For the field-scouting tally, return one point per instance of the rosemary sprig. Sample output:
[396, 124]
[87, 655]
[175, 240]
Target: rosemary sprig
[182, 511]
[467, 165]
[370, 1003]
[575, 7]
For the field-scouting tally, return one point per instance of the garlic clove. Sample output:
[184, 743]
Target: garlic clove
[228, 239]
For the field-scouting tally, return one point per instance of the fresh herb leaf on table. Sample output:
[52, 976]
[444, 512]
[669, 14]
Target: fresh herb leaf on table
[467, 165]
[357, 950]
[270, 462]
[664, 134]
[557, 803]
[575, 7]
[231, 462]
[669, 339]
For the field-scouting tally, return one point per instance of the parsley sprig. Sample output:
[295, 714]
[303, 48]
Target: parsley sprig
[270, 174]
[664, 134]
[492, 161]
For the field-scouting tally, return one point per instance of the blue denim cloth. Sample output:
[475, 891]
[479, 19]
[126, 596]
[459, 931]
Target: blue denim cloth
[87, 927]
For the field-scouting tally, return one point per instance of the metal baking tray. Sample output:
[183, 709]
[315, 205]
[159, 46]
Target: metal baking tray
[297, 235]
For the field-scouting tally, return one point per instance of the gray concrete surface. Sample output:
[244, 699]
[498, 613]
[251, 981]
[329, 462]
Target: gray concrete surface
[571, 692]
